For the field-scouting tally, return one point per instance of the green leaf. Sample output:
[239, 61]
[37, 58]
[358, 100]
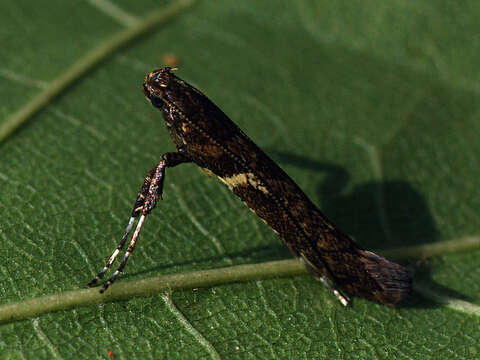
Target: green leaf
[372, 108]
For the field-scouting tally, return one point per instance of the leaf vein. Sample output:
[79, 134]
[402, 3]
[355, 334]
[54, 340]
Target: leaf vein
[115, 12]
[190, 328]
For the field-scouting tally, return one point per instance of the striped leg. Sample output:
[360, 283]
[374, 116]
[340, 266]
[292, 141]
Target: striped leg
[114, 255]
[130, 249]
[343, 298]
[147, 198]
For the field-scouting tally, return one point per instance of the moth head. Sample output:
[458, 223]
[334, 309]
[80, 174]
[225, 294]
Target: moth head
[156, 84]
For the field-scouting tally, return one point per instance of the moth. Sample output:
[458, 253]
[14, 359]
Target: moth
[204, 135]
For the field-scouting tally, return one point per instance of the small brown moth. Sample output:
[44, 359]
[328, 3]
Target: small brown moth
[203, 134]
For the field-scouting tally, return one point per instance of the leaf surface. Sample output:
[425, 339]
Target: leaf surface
[372, 109]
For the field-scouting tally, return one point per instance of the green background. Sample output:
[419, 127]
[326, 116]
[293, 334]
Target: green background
[372, 107]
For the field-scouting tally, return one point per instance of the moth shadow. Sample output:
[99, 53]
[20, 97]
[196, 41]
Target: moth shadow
[423, 283]
[377, 214]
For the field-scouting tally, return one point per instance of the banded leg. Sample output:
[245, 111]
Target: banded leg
[147, 198]
[340, 295]
[137, 208]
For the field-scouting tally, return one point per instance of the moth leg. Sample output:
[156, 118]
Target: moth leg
[341, 296]
[135, 213]
[147, 198]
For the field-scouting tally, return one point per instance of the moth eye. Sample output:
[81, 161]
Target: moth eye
[158, 81]
[155, 76]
